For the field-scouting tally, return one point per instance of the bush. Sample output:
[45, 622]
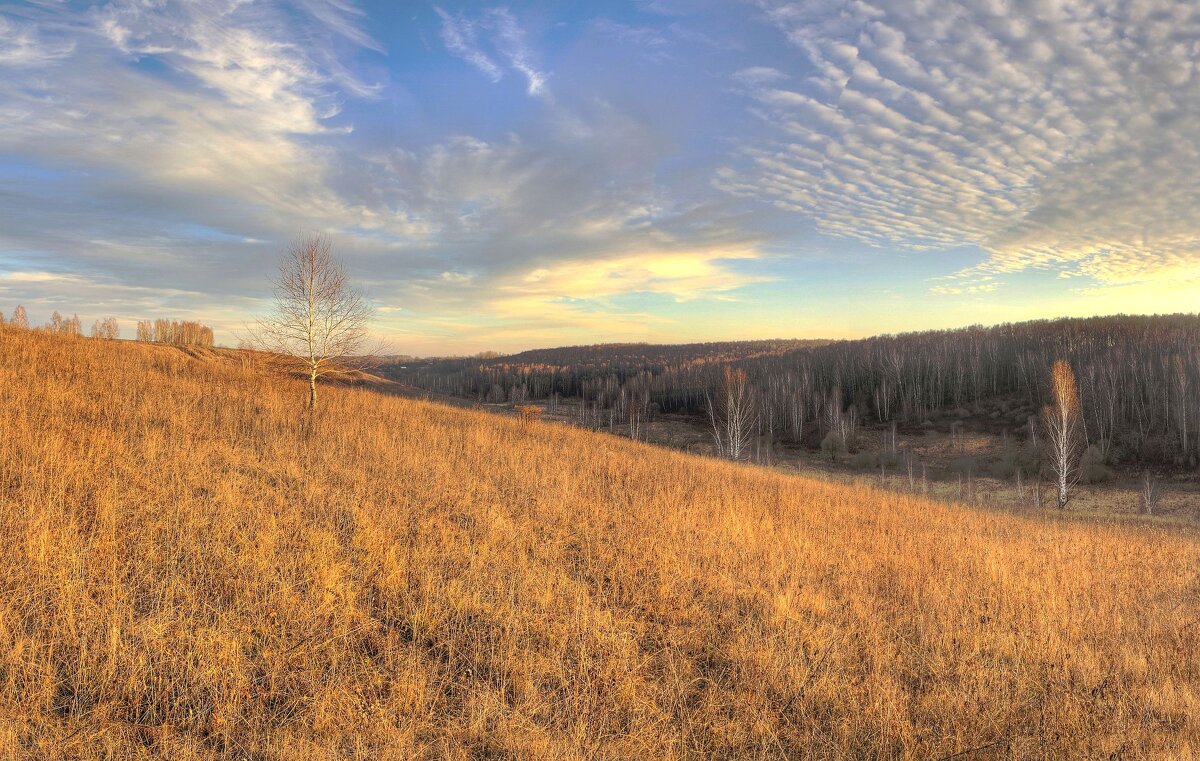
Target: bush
[865, 460]
[1091, 466]
[1031, 455]
[1006, 466]
[833, 445]
[965, 465]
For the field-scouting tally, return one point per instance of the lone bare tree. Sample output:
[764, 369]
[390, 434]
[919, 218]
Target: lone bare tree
[318, 324]
[732, 414]
[1061, 424]
[1149, 493]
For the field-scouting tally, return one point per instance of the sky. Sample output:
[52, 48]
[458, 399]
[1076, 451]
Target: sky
[502, 177]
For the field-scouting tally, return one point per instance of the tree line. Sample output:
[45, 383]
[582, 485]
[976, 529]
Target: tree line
[176, 332]
[1138, 382]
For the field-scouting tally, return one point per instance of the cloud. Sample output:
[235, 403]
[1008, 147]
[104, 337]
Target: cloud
[460, 37]
[510, 40]
[154, 157]
[1053, 135]
[464, 37]
[23, 45]
[37, 277]
[958, 290]
[651, 43]
[564, 198]
[147, 145]
[758, 75]
[217, 133]
[231, 109]
[684, 274]
[605, 298]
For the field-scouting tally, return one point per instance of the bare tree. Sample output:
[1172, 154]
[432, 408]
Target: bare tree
[318, 325]
[1180, 385]
[1149, 493]
[732, 414]
[1063, 432]
[19, 319]
[107, 329]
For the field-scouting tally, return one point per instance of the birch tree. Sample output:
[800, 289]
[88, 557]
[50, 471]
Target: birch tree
[107, 329]
[318, 323]
[732, 414]
[1063, 431]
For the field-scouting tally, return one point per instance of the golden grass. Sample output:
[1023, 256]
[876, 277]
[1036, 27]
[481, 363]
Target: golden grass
[195, 570]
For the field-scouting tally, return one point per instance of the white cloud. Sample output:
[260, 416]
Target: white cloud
[510, 40]
[758, 75]
[235, 117]
[651, 43]
[461, 39]
[1056, 135]
[23, 45]
[498, 26]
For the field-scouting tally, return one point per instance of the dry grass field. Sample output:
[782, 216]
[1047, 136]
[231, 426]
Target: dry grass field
[195, 569]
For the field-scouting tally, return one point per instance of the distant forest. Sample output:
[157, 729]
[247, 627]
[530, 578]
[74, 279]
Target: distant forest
[1138, 377]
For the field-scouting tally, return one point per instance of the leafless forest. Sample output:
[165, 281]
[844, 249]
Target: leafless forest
[1138, 382]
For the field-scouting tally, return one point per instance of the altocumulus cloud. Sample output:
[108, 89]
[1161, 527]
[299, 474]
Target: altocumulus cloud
[1054, 134]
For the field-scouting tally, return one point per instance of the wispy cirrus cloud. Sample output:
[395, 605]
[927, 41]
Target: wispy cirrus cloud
[1053, 135]
[143, 146]
[466, 37]
[651, 43]
[26, 45]
[232, 114]
[461, 38]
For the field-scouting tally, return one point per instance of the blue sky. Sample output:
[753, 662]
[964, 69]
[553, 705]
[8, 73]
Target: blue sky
[533, 174]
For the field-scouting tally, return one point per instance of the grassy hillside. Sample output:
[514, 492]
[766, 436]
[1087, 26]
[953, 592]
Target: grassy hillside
[195, 569]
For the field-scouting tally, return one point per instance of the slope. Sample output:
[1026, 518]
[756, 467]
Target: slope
[198, 570]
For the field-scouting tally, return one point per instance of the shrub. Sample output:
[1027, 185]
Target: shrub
[833, 445]
[1091, 466]
[965, 465]
[865, 460]
[1005, 467]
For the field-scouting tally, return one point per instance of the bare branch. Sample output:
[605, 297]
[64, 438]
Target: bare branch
[318, 326]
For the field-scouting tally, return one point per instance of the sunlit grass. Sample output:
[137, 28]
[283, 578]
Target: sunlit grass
[196, 569]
